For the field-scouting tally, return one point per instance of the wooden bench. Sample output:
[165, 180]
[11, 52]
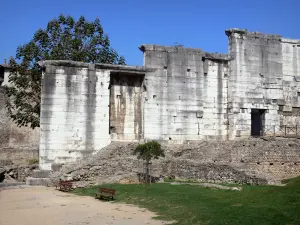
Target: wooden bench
[64, 185]
[107, 193]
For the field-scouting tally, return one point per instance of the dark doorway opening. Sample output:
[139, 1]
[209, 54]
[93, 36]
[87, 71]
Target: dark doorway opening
[257, 121]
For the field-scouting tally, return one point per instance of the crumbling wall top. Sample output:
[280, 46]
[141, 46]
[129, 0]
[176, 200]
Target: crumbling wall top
[151, 47]
[116, 68]
[245, 32]
[217, 56]
[197, 51]
[292, 41]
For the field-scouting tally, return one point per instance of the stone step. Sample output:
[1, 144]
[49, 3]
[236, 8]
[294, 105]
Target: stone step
[38, 181]
[40, 173]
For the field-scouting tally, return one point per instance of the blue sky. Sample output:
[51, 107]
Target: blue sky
[130, 23]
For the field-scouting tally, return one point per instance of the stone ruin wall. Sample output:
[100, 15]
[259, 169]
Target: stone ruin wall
[186, 97]
[74, 112]
[86, 106]
[180, 95]
[18, 156]
[12, 137]
[264, 74]
[18, 145]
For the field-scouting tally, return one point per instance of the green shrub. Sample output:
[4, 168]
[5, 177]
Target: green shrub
[148, 151]
[33, 161]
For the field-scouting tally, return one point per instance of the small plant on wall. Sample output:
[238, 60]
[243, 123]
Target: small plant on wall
[33, 161]
[147, 152]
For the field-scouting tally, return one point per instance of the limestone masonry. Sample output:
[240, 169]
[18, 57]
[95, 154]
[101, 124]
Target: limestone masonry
[180, 94]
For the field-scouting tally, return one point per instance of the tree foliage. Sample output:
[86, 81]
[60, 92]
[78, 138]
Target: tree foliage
[148, 151]
[63, 39]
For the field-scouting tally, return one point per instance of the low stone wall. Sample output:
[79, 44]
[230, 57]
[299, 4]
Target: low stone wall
[253, 161]
[19, 156]
[17, 164]
[16, 173]
[273, 159]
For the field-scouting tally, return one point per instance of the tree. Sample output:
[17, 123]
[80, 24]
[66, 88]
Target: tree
[147, 152]
[63, 39]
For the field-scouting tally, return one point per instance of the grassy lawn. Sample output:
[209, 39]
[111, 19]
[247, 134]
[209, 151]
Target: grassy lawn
[193, 205]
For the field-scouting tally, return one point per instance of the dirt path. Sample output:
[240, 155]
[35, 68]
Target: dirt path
[41, 205]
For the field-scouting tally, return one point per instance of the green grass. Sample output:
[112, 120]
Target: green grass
[191, 205]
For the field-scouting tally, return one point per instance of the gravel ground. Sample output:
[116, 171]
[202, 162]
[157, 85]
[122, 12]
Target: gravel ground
[41, 205]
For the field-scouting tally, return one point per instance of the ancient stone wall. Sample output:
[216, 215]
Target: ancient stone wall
[19, 156]
[186, 94]
[74, 113]
[4, 121]
[264, 75]
[181, 94]
[12, 136]
[76, 116]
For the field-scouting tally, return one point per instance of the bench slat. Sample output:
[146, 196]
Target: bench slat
[105, 192]
[65, 185]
